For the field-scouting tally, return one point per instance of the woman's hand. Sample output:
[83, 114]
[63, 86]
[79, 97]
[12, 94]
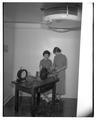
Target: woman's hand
[60, 69]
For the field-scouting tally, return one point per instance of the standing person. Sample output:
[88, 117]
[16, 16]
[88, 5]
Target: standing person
[46, 62]
[60, 64]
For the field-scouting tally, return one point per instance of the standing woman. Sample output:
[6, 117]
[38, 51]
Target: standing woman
[60, 64]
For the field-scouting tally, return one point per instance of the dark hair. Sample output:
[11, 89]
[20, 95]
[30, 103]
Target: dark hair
[46, 52]
[56, 49]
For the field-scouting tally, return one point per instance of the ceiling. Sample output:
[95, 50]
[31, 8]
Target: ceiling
[29, 13]
[22, 12]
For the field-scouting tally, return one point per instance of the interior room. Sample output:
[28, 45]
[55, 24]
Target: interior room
[30, 29]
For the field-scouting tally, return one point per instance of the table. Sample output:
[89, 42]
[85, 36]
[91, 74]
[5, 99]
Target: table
[35, 87]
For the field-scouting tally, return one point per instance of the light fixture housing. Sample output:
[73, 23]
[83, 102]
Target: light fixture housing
[55, 14]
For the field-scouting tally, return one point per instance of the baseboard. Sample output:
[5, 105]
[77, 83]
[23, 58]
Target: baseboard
[7, 99]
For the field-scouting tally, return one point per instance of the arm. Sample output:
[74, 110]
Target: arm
[40, 66]
[51, 66]
[60, 69]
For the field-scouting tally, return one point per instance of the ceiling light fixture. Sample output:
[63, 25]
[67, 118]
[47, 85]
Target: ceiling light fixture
[61, 12]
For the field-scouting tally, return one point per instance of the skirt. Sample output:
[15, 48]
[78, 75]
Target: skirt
[60, 86]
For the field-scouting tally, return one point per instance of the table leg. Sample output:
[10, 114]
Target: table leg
[16, 98]
[33, 103]
[54, 94]
[38, 98]
[53, 97]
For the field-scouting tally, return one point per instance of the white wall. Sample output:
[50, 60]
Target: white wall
[31, 41]
[8, 60]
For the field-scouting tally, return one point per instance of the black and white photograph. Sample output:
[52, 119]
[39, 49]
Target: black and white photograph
[42, 60]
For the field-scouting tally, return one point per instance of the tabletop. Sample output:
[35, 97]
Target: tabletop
[32, 81]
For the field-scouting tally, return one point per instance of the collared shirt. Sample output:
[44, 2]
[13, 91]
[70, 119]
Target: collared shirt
[46, 64]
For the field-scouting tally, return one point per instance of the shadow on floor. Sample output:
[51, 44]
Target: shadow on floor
[63, 108]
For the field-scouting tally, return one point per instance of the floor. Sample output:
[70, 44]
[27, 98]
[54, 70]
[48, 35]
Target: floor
[63, 108]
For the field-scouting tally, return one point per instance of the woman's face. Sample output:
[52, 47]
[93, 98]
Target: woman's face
[56, 53]
[46, 56]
